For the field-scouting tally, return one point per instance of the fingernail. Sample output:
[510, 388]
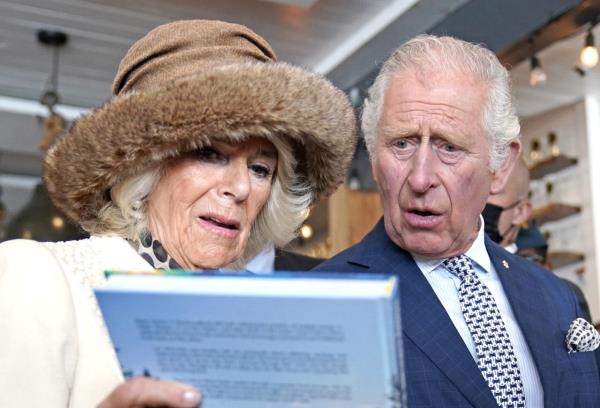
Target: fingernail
[191, 396]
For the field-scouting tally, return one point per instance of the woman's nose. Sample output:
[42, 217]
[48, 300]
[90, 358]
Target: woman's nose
[236, 181]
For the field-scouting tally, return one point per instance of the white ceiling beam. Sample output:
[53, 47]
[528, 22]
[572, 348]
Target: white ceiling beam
[34, 108]
[363, 35]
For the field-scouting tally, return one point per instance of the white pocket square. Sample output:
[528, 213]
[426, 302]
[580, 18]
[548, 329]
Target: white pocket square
[582, 336]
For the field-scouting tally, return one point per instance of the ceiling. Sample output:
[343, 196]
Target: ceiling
[564, 84]
[318, 37]
[316, 34]
[343, 39]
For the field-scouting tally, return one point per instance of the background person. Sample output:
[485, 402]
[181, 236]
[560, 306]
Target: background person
[481, 327]
[506, 216]
[207, 145]
[508, 210]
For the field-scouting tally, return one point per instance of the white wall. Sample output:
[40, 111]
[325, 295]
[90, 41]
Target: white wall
[571, 186]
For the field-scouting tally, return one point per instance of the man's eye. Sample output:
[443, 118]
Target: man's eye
[261, 170]
[401, 144]
[449, 147]
[449, 152]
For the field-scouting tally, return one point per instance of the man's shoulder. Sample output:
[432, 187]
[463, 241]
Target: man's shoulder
[542, 274]
[375, 250]
[522, 265]
[340, 262]
[555, 288]
[291, 261]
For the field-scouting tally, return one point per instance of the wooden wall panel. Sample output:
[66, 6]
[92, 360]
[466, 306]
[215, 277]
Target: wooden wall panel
[352, 213]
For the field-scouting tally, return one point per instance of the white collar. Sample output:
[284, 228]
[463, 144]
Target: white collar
[264, 261]
[477, 253]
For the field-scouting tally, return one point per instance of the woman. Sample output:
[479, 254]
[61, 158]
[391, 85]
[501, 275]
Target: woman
[208, 150]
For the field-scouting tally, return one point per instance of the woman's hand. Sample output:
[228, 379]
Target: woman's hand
[145, 392]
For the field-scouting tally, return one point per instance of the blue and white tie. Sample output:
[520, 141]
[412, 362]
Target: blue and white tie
[495, 354]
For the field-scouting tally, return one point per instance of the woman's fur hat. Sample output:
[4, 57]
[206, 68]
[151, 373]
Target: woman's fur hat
[188, 83]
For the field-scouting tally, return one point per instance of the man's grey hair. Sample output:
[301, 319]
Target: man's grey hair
[277, 222]
[451, 55]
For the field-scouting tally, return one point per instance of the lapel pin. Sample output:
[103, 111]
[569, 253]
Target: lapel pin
[505, 263]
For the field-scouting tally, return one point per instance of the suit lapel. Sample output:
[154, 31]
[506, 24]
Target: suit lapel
[424, 320]
[532, 308]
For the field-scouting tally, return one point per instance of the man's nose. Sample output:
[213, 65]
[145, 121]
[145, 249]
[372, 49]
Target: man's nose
[236, 181]
[423, 167]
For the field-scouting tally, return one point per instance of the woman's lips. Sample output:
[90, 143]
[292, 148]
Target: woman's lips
[422, 218]
[221, 226]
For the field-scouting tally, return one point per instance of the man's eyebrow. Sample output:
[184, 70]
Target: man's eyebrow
[394, 131]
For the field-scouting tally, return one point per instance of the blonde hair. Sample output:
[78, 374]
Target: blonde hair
[277, 222]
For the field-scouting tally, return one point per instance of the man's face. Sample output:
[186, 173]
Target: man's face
[514, 211]
[431, 162]
[507, 210]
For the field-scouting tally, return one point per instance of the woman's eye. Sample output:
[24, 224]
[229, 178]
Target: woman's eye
[260, 170]
[208, 154]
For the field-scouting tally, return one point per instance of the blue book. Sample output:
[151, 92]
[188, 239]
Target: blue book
[248, 341]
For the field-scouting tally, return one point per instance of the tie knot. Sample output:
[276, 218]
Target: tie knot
[459, 265]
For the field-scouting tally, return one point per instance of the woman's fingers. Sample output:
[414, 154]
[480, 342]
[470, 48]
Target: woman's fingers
[146, 392]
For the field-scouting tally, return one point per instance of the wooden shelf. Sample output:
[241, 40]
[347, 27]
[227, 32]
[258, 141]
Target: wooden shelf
[553, 212]
[559, 259]
[551, 165]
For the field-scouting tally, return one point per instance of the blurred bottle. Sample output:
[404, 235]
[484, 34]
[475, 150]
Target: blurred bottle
[553, 144]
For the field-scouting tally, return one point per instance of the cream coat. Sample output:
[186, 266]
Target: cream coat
[54, 347]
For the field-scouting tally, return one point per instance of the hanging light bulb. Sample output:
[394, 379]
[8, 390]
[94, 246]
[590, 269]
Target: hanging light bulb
[537, 76]
[588, 57]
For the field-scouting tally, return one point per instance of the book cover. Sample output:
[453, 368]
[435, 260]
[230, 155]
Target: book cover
[249, 341]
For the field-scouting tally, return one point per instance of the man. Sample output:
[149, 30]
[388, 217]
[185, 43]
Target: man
[481, 327]
[506, 211]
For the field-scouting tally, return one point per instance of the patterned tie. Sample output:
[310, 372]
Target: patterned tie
[495, 355]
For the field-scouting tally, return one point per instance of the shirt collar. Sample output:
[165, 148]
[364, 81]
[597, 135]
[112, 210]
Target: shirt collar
[264, 261]
[477, 253]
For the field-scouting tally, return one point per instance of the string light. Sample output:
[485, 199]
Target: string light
[537, 76]
[588, 57]
[57, 222]
[306, 231]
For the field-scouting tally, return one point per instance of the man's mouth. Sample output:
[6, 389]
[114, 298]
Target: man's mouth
[422, 217]
[423, 212]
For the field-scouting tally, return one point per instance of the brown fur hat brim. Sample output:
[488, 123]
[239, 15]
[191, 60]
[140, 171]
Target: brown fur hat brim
[135, 131]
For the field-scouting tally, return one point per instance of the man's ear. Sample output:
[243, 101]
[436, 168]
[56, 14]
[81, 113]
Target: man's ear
[523, 212]
[500, 176]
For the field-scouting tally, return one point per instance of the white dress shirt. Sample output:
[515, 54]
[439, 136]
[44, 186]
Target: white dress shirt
[445, 286]
[264, 262]
[512, 248]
